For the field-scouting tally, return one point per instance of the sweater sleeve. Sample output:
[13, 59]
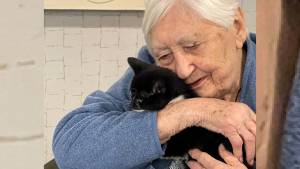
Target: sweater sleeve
[106, 133]
[290, 148]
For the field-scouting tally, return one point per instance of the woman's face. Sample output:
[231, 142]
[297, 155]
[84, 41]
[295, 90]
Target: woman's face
[207, 56]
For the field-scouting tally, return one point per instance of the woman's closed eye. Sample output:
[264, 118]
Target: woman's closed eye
[164, 57]
[194, 46]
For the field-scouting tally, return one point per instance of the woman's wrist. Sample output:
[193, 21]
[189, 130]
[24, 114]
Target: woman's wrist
[177, 116]
[171, 120]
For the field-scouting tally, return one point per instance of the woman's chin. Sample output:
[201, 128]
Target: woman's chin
[206, 94]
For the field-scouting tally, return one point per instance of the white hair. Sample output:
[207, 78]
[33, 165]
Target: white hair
[221, 12]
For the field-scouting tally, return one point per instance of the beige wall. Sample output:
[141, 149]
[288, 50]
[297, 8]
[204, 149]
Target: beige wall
[21, 84]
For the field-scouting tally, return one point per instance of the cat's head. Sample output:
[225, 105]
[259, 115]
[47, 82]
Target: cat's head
[150, 88]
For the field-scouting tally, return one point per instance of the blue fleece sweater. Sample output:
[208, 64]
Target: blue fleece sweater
[290, 153]
[106, 134]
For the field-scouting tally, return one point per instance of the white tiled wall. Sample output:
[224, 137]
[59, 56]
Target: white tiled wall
[86, 51]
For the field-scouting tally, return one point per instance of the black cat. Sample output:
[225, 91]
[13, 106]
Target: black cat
[154, 87]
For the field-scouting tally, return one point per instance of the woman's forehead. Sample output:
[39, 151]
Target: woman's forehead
[181, 31]
[187, 36]
[180, 40]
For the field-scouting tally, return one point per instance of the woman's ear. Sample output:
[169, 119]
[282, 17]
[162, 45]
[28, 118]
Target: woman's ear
[240, 28]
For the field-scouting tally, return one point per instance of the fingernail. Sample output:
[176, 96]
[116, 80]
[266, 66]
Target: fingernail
[251, 162]
[241, 159]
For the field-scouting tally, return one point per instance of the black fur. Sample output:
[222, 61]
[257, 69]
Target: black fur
[152, 88]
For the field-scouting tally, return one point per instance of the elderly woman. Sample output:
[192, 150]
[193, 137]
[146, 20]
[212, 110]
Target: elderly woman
[205, 43]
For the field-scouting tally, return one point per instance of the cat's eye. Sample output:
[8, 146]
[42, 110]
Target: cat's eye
[133, 92]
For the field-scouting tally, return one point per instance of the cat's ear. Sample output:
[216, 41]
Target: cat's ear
[159, 88]
[136, 64]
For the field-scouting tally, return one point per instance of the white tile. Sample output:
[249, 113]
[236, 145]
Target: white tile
[107, 82]
[55, 86]
[91, 68]
[109, 38]
[49, 157]
[73, 87]
[45, 119]
[124, 54]
[90, 53]
[49, 136]
[128, 38]
[45, 146]
[111, 53]
[90, 83]
[72, 56]
[54, 38]
[109, 68]
[72, 13]
[73, 25]
[54, 53]
[54, 69]
[122, 70]
[72, 102]
[129, 20]
[54, 21]
[91, 19]
[73, 40]
[54, 116]
[83, 96]
[91, 36]
[140, 18]
[73, 74]
[141, 40]
[111, 22]
[45, 156]
[109, 13]
[45, 130]
[54, 101]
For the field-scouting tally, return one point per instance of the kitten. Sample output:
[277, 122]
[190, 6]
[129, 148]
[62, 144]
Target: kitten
[154, 87]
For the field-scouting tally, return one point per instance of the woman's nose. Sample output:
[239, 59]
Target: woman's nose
[183, 66]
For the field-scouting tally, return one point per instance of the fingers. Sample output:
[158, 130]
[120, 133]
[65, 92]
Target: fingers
[203, 158]
[249, 140]
[253, 116]
[230, 159]
[237, 145]
[251, 126]
[195, 165]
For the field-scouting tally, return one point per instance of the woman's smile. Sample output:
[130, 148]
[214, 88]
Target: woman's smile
[198, 82]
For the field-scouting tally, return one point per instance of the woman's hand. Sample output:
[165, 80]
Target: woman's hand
[236, 121]
[206, 161]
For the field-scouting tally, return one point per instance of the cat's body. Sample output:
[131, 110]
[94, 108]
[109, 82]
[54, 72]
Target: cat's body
[153, 88]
